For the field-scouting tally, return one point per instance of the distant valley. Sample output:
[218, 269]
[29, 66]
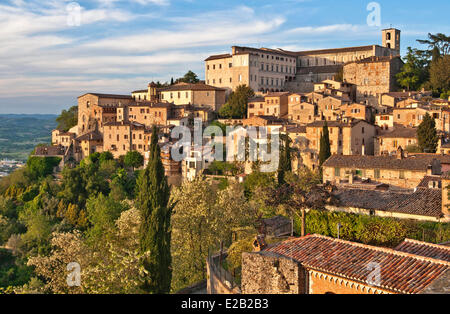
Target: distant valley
[19, 134]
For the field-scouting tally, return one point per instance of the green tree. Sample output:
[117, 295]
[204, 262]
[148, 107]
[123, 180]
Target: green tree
[439, 41]
[285, 159]
[325, 151]
[190, 77]
[40, 167]
[102, 213]
[152, 199]
[134, 159]
[427, 135]
[236, 107]
[67, 119]
[440, 75]
[414, 72]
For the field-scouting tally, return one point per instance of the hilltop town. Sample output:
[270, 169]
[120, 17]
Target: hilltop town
[372, 125]
[354, 181]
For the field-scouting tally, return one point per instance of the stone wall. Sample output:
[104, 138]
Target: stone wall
[268, 274]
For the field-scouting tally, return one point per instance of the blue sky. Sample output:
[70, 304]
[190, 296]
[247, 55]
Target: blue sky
[120, 46]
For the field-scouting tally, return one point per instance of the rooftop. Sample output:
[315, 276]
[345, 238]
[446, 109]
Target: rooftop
[195, 87]
[400, 132]
[113, 96]
[415, 247]
[419, 162]
[422, 202]
[400, 272]
[49, 151]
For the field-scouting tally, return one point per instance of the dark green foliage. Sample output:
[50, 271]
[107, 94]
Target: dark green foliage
[414, 72]
[13, 272]
[223, 168]
[236, 107]
[285, 164]
[427, 135]
[40, 167]
[438, 41]
[123, 185]
[102, 212]
[371, 230]
[257, 180]
[152, 199]
[325, 151]
[134, 159]
[190, 77]
[440, 76]
[67, 119]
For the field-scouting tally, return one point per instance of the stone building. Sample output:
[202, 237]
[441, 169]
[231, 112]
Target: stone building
[398, 171]
[256, 107]
[94, 110]
[270, 70]
[302, 113]
[388, 143]
[316, 264]
[121, 137]
[353, 137]
[356, 111]
[413, 117]
[62, 138]
[87, 144]
[194, 94]
[373, 77]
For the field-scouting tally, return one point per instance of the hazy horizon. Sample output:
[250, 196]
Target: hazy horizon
[117, 46]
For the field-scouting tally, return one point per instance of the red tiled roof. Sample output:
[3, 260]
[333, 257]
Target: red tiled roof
[400, 272]
[435, 251]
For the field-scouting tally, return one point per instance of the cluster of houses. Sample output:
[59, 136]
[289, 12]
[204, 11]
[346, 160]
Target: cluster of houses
[372, 130]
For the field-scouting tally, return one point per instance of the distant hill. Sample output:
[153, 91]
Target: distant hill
[20, 133]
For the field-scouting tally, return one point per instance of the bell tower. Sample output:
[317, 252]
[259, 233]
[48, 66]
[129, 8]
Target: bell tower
[391, 39]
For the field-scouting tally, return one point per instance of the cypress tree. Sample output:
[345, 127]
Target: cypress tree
[152, 200]
[325, 150]
[285, 160]
[427, 135]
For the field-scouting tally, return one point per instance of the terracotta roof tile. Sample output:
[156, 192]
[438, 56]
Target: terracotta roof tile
[400, 272]
[422, 202]
[435, 251]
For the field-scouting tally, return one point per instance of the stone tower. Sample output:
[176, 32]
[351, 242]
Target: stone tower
[391, 39]
[152, 94]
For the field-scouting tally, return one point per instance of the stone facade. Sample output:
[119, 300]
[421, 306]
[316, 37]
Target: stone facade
[270, 274]
[373, 76]
[271, 70]
[262, 70]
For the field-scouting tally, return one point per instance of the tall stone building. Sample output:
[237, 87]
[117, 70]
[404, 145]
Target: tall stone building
[373, 77]
[272, 70]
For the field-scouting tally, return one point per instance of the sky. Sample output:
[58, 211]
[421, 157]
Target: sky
[53, 51]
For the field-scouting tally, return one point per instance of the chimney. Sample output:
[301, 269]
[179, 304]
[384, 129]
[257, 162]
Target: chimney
[400, 154]
[429, 170]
